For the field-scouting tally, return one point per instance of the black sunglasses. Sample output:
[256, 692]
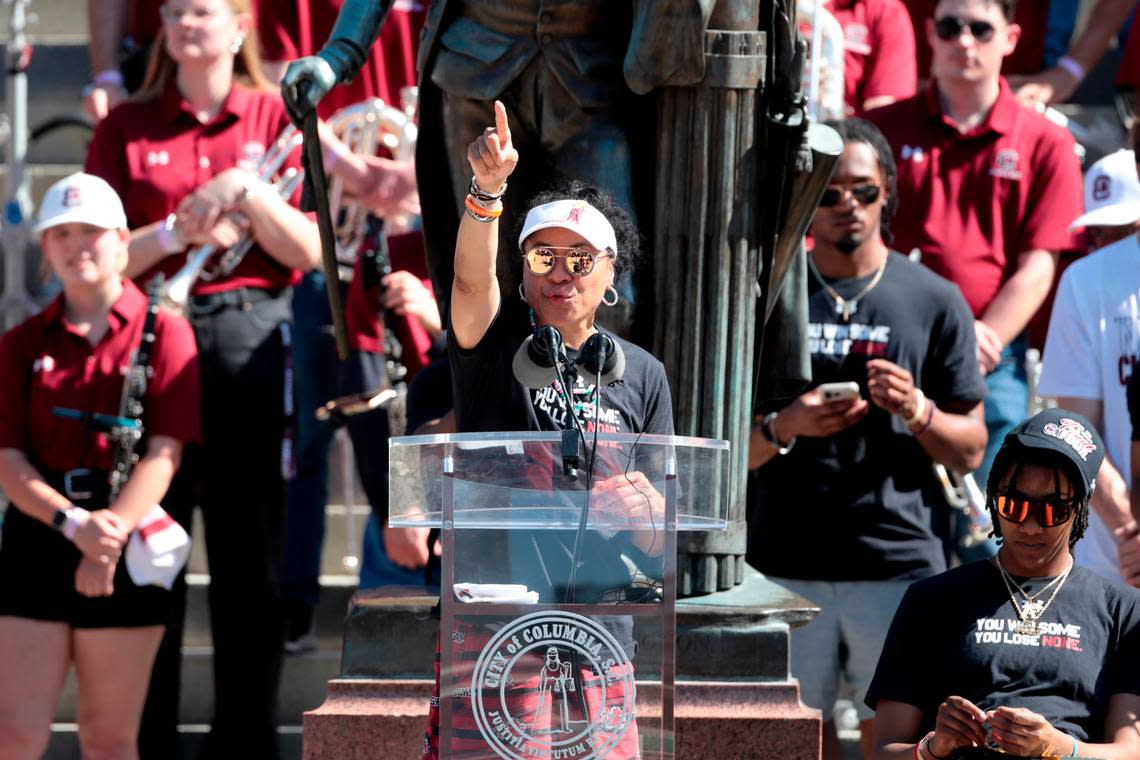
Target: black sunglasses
[1050, 511]
[865, 193]
[950, 28]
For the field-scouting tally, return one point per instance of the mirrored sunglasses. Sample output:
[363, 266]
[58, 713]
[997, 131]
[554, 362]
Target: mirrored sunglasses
[950, 28]
[1049, 512]
[579, 262]
[864, 193]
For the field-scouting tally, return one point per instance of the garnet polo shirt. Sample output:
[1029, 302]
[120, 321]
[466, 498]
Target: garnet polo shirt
[289, 29]
[155, 153]
[878, 50]
[973, 202]
[45, 363]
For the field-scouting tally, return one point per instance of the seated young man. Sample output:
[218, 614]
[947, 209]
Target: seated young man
[1024, 654]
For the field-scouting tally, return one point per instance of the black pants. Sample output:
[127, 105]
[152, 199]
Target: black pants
[158, 732]
[242, 356]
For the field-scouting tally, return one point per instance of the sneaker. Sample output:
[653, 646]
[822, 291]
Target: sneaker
[303, 644]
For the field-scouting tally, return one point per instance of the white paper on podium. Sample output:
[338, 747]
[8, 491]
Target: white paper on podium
[499, 593]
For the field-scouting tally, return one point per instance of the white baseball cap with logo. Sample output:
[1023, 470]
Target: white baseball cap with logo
[1112, 192]
[574, 215]
[82, 198]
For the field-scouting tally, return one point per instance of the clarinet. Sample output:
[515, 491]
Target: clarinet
[378, 265]
[125, 438]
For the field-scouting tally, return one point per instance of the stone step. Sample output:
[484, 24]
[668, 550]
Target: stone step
[332, 608]
[303, 681]
[65, 741]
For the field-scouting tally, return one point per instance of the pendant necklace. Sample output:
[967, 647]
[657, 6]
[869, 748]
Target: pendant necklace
[845, 307]
[1032, 609]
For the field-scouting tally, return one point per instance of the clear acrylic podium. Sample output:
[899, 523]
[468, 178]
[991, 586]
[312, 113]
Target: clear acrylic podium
[557, 632]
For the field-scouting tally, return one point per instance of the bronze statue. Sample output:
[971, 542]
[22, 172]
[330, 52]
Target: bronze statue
[569, 71]
[718, 165]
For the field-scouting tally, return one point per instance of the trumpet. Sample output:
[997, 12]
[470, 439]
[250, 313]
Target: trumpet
[175, 292]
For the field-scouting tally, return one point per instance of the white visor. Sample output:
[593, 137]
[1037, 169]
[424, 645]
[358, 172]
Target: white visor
[575, 215]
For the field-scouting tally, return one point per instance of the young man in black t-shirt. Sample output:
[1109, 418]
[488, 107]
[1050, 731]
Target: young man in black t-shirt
[841, 514]
[1027, 654]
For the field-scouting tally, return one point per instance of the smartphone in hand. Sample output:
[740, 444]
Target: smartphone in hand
[839, 391]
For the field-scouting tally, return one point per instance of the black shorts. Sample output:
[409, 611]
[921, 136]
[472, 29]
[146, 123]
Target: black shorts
[37, 581]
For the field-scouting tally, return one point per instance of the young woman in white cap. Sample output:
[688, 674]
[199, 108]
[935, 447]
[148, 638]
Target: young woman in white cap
[573, 243]
[1025, 654]
[65, 593]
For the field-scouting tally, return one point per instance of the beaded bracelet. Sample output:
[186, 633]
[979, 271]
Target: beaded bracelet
[483, 195]
[479, 213]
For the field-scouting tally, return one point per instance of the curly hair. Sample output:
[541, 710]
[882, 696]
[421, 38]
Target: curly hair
[1012, 457]
[861, 131]
[625, 229]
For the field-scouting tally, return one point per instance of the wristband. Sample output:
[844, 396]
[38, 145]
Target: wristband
[770, 434]
[926, 751]
[108, 76]
[930, 407]
[919, 408]
[1074, 752]
[1072, 67]
[71, 524]
[167, 235]
[482, 194]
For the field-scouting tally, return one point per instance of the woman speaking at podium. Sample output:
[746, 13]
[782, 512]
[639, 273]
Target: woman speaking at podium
[574, 241]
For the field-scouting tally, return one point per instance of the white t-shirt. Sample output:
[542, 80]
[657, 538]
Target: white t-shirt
[1092, 346]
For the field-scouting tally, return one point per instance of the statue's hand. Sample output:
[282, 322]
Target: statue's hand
[492, 155]
[306, 81]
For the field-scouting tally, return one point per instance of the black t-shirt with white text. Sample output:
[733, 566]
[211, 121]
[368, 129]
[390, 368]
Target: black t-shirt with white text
[955, 635]
[488, 398]
[856, 505]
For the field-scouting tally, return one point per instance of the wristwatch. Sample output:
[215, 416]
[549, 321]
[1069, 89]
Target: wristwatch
[59, 519]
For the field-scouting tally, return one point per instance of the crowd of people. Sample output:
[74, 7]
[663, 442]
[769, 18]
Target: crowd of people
[933, 254]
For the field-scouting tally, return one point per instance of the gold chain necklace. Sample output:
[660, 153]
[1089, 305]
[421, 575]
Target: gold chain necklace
[845, 307]
[1032, 610]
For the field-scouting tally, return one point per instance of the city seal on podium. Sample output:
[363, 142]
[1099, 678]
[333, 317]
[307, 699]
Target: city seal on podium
[553, 685]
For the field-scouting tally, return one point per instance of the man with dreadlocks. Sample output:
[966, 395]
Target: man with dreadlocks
[1024, 654]
[854, 473]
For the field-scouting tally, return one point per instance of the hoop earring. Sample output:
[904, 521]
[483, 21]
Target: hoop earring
[522, 293]
[615, 299]
[235, 46]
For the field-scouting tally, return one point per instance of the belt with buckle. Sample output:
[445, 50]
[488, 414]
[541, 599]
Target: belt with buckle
[203, 305]
[80, 485]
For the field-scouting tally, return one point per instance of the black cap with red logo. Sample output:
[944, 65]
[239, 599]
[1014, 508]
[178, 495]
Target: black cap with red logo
[1067, 433]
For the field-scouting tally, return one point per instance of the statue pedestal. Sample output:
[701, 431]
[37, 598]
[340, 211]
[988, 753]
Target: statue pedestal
[735, 697]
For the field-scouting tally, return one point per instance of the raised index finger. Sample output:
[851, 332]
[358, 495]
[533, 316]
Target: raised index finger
[501, 124]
